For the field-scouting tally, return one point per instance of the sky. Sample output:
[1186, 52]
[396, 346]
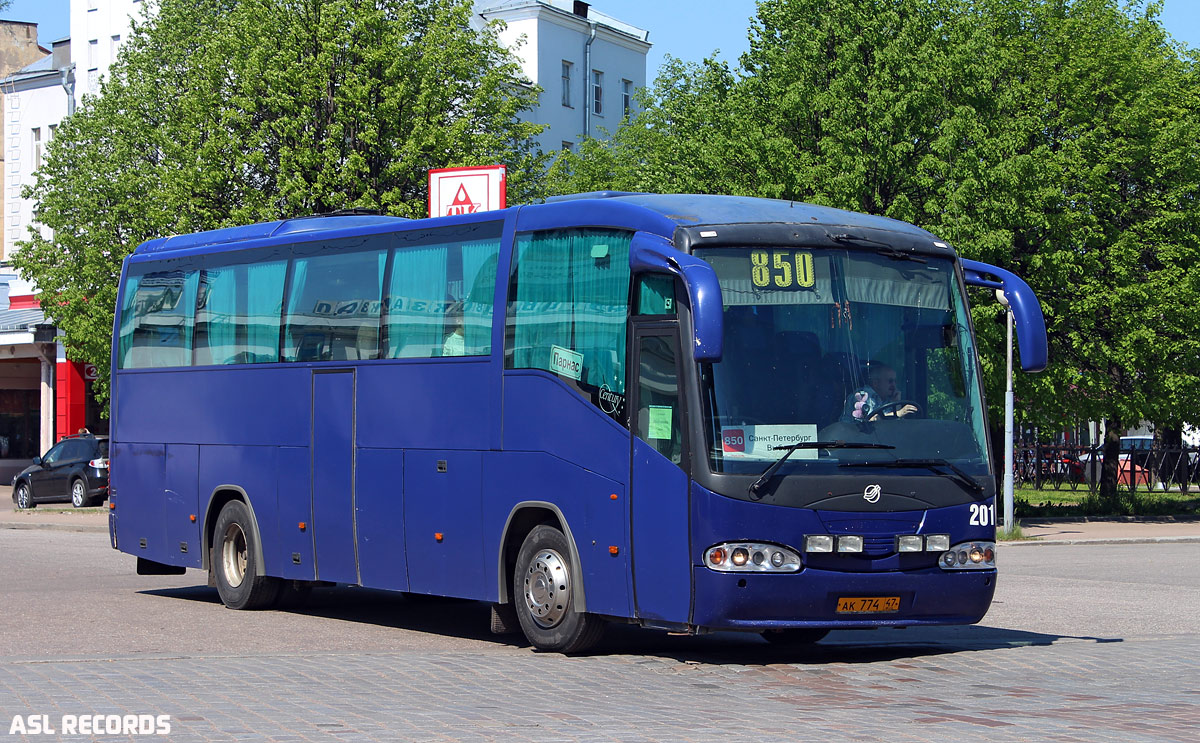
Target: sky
[688, 29]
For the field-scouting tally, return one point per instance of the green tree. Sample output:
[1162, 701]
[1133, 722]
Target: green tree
[224, 112]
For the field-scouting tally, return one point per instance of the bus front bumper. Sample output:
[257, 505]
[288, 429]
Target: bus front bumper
[809, 598]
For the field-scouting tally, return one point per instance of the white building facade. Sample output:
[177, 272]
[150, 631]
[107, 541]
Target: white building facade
[589, 65]
[98, 29]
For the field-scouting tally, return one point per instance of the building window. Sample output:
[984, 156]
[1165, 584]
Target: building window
[93, 51]
[113, 45]
[626, 97]
[597, 92]
[37, 148]
[566, 83]
[568, 146]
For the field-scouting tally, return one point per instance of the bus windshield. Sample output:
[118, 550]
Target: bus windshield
[854, 345]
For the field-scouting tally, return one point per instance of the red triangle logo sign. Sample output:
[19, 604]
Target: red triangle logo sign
[462, 203]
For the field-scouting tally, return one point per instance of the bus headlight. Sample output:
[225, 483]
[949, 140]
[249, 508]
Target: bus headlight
[751, 557]
[969, 556]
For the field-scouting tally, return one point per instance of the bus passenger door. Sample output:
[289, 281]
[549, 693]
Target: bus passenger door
[662, 575]
[332, 457]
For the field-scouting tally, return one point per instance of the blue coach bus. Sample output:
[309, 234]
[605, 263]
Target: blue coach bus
[696, 413]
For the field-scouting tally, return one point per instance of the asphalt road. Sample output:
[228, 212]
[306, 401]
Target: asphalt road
[1084, 642]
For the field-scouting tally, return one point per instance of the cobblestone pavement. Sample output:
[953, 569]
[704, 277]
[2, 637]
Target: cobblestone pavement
[372, 679]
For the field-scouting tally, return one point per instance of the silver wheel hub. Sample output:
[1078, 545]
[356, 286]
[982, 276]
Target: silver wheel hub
[233, 555]
[547, 588]
[77, 493]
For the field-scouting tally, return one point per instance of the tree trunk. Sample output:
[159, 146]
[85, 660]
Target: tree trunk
[1110, 472]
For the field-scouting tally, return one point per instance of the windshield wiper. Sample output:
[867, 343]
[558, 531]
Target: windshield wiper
[955, 474]
[884, 249]
[787, 450]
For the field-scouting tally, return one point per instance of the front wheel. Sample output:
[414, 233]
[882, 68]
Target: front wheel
[25, 496]
[234, 561]
[79, 496]
[543, 592]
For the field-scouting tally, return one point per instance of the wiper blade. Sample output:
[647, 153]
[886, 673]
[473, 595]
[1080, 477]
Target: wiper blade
[884, 249]
[757, 486]
[955, 474]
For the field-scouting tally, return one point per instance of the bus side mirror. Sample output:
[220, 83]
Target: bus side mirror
[1027, 313]
[650, 252]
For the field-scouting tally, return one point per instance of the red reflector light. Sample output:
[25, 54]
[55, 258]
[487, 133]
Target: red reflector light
[100, 464]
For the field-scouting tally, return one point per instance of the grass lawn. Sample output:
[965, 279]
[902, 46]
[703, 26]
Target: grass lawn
[1029, 502]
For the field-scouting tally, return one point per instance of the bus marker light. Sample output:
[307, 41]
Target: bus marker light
[910, 543]
[192, 518]
[818, 543]
[437, 536]
[613, 549]
[112, 506]
[303, 526]
[937, 542]
[613, 496]
[850, 543]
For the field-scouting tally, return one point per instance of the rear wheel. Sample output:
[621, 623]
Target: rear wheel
[234, 562]
[797, 637]
[544, 592]
[79, 493]
[25, 496]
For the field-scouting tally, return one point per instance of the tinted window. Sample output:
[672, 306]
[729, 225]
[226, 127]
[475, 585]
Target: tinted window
[334, 301]
[440, 295]
[156, 320]
[568, 302]
[237, 313]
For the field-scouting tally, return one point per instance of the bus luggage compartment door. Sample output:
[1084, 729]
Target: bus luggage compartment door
[333, 476]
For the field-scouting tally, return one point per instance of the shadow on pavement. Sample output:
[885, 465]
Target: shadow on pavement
[470, 620]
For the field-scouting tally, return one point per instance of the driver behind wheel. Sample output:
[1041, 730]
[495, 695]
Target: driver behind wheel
[864, 403]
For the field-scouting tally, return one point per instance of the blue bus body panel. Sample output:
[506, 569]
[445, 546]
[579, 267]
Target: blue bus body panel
[928, 594]
[254, 471]
[294, 507]
[661, 551]
[425, 404]
[182, 467]
[594, 519]
[543, 414]
[379, 500]
[216, 405]
[139, 475]
[333, 476]
[443, 498]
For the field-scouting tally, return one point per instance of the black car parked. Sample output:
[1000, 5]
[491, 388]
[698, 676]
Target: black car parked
[75, 469]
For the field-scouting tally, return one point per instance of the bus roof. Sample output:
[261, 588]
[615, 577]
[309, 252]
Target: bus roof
[663, 210]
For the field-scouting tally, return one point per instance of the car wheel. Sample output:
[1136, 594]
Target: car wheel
[25, 496]
[79, 493]
[543, 592]
[796, 637]
[234, 563]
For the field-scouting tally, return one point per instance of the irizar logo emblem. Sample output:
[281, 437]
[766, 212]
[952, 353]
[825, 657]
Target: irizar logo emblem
[871, 494]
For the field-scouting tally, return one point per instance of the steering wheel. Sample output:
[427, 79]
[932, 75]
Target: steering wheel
[893, 408]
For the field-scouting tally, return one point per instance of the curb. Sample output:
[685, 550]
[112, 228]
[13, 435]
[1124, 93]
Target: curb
[33, 525]
[1038, 542]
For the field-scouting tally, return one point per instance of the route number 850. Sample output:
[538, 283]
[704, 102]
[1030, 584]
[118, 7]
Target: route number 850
[782, 269]
[982, 515]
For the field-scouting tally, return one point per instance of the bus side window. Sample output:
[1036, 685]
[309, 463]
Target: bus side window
[156, 322]
[567, 308]
[237, 313]
[334, 302]
[656, 295]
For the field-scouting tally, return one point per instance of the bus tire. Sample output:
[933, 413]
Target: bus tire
[543, 592]
[234, 564]
[796, 637]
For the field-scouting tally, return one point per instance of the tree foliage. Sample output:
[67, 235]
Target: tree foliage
[1055, 137]
[224, 112]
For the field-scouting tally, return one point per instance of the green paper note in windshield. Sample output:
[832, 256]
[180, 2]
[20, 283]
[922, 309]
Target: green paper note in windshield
[659, 426]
